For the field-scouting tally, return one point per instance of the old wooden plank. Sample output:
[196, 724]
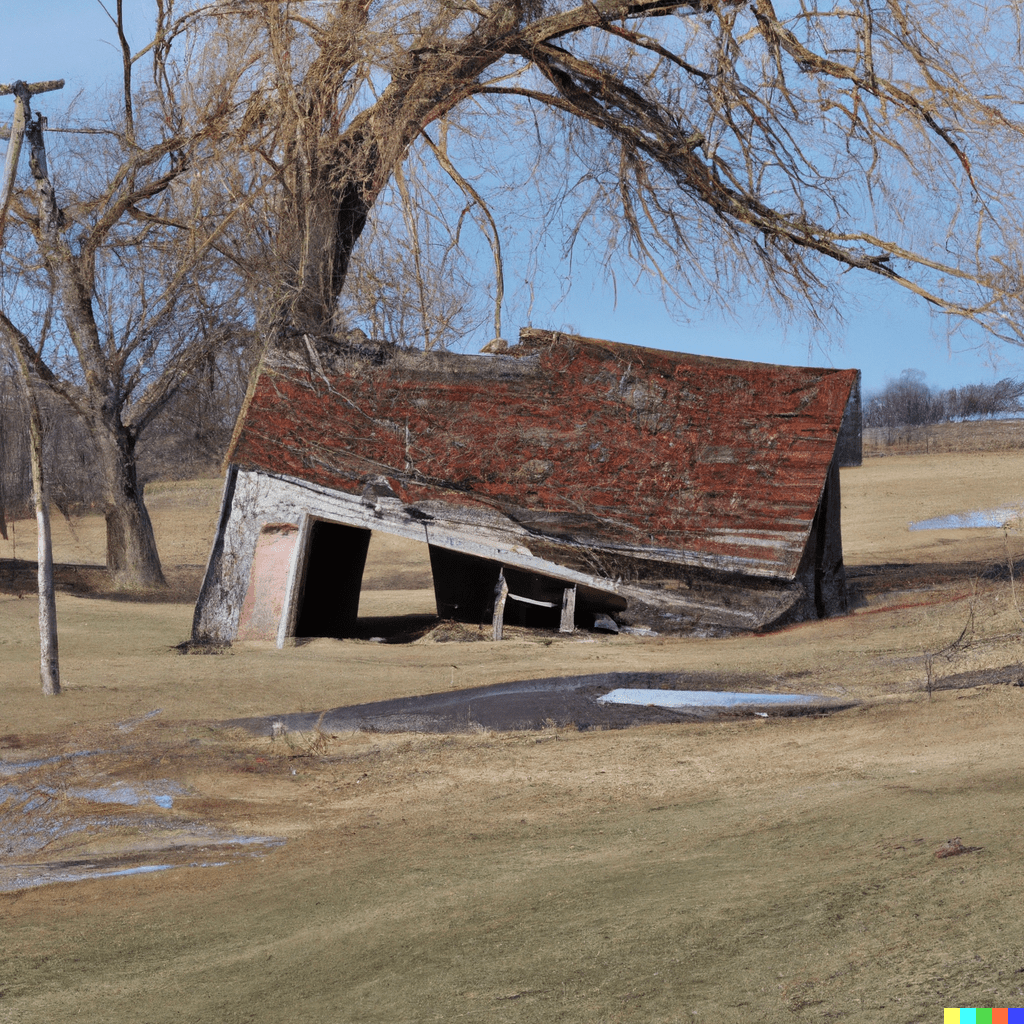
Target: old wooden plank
[568, 624]
[500, 593]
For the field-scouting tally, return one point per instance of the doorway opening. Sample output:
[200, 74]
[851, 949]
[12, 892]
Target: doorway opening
[364, 584]
[466, 587]
[328, 603]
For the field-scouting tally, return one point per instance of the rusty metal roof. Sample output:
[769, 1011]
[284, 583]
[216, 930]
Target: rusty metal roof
[658, 455]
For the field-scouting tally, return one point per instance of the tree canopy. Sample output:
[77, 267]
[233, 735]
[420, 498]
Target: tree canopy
[908, 401]
[719, 146]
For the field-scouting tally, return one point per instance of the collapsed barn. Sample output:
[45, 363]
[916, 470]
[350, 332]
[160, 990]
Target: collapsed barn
[579, 478]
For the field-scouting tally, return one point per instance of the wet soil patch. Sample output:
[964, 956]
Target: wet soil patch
[92, 814]
[555, 702]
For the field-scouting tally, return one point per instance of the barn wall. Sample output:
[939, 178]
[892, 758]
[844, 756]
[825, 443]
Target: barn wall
[822, 571]
[264, 602]
[850, 445]
[830, 582]
[702, 493]
[667, 598]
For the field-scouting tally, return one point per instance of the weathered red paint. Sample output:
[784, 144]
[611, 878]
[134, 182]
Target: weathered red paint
[581, 441]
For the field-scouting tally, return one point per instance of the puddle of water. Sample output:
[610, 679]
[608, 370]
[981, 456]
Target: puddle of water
[703, 698]
[126, 794]
[32, 819]
[130, 724]
[160, 793]
[42, 876]
[988, 518]
[13, 767]
[32, 876]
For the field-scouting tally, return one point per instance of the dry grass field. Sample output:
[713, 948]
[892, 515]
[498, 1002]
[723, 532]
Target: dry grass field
[778, 869]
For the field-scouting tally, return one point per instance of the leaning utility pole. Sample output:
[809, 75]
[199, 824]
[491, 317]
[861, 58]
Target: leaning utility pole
[49, 665]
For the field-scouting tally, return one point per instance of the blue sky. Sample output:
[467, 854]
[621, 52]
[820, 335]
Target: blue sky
[883, 334]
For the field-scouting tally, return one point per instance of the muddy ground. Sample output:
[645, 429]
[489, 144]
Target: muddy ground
[748, 868]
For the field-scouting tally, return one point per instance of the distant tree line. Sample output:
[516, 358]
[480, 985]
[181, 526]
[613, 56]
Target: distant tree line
[908, 401]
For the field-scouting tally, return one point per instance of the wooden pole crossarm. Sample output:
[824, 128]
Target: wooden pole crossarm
[22, 91]
[33, 88]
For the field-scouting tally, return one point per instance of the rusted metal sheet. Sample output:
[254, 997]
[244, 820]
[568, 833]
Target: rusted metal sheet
[611, 456]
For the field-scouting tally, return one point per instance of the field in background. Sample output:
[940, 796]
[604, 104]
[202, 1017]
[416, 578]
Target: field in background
[937, 438]
[767, 870]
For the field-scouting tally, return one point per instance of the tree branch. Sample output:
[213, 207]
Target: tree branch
[493, 236]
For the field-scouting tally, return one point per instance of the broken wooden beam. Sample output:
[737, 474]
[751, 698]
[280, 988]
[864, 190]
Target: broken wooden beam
[500, 593]
[568, 623]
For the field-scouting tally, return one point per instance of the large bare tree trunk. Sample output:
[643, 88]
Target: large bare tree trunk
[132, 558]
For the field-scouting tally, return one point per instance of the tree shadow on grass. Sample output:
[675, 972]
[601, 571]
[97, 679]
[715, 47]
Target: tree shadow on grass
[18, 578]
[867, 581]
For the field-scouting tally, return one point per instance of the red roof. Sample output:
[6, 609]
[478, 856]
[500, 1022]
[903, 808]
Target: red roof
[654, 454]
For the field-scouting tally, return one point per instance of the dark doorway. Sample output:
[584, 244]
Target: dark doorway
[329, 602]
[463, 589]
[465, 585]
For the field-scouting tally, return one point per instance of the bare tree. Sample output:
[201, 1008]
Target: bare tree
[122, 250]
[972, 401]
[715, 145]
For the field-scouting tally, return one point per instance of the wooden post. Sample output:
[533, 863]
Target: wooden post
[49, 662]
[500, 593]
[568, 624]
